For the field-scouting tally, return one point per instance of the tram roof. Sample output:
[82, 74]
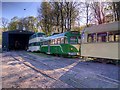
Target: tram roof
[59, 35]
[103, 27]
[37, 34]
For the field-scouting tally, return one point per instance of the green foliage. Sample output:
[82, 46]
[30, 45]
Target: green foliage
[30, 23]
[13, 25]
[45, 17]
[57, 16]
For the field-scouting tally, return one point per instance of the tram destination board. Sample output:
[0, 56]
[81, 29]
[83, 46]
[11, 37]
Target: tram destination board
[75, 32]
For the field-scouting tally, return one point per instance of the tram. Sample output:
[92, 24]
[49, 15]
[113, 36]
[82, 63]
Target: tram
[65, 44]
[34, 41]
[101, 41]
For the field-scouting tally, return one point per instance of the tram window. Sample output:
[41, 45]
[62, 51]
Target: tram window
[91, 37]
[79, 39]
[102, 37]
[33, 36]
[39, 35]
[59, 40]
[52, 41]
[43, 35]
[94, 37]
[66, 41]
[56, 41]
[111, 37]
[73, 40]
[37, 44]
[41, 43]
[62, 40]
[117, 37]
[32, 44]
[45, 42]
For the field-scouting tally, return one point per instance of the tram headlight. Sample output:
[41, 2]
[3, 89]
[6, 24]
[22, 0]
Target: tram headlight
[71, 48]
[78, 53]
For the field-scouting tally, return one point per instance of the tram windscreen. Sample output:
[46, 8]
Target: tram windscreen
[73, 40]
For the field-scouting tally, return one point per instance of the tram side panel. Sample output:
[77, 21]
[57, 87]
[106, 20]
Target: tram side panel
[101, 41]
[100, 50]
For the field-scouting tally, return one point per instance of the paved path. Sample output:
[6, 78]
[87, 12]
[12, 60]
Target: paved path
[26, 70]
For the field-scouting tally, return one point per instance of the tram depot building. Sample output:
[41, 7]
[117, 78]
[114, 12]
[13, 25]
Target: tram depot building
[15, 40]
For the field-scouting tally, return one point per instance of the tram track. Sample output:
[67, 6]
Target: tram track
[24, 55]
[99, 75]
[38, 70]
[102, 77]
[41, 71]
[29, 65]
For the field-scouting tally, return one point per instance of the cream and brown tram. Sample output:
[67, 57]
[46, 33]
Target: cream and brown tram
[101, 41]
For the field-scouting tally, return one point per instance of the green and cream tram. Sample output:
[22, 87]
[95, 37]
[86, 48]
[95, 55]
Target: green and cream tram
[34, 41]
[101, 41]
[67, 43]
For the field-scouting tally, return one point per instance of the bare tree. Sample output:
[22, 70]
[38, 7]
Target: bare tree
[62, 16]
[56, 15]
[4, 23]
[72, 12]
[86, 13]
[116, 9]
[98, 10]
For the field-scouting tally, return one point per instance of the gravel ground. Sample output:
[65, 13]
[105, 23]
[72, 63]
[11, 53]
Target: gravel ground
[21, 69]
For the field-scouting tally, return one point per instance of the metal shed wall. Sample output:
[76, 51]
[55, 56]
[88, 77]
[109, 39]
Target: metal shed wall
[9, 37]
[5, 41]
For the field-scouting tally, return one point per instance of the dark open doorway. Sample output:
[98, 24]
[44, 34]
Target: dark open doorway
[18, 41]
[15, 40]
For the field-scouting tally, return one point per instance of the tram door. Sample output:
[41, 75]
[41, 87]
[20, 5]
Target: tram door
[49, 47]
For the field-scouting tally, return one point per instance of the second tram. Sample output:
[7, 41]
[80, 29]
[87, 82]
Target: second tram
[34, 41]
[67, 43]
[101, 41]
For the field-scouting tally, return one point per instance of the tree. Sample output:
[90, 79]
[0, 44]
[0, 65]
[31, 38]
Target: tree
[56, 15]
[86, 14]
[4, 23]
[116, 9]
[69, 12]
[98, 11]
[45, 17]
[13, 25]
[29, 23]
